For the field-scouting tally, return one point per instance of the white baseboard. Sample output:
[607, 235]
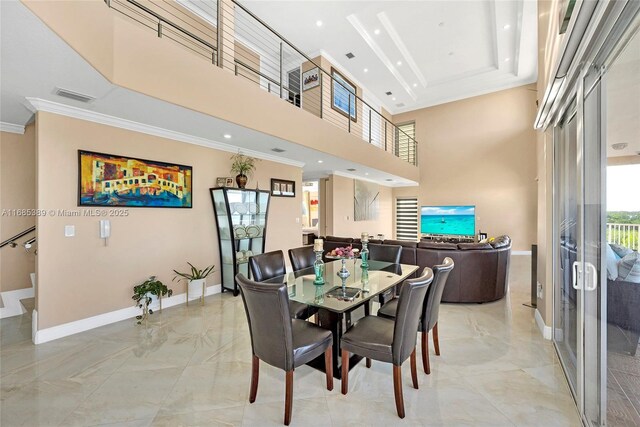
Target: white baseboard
[11, 301]
[77, 326]
[521, 253]
[544, 329]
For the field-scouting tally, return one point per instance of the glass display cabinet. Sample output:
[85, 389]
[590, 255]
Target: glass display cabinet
[241, 216]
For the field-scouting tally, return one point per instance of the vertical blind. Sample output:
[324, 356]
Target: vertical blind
[407, 218]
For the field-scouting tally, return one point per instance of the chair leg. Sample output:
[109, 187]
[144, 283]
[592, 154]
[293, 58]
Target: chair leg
[397, 390]
[315, 319]
[328, 366]
[255, 371]
[368, 362]
[414, 369]
[345, 372]
[288, 398]
[425, 352]
[436, 342]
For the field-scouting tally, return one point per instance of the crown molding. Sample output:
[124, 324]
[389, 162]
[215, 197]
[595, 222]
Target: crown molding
[11, 128]
[37, 104]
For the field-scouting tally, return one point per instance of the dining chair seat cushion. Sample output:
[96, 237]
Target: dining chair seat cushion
[301, 311]
[370, 337]
[309, 341]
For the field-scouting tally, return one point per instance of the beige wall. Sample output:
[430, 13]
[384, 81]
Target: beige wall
[481, 151]
[135, 58]
[341, 210]
[80, 276]
[17, 191]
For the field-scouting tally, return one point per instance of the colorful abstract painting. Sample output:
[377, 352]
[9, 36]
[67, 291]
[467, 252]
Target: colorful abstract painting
[110, 180]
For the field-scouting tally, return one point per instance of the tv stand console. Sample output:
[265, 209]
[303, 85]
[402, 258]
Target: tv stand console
[448, 239]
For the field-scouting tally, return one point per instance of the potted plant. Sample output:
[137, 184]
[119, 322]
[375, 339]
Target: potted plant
[243, 166]
[144, 294]
[195, 279]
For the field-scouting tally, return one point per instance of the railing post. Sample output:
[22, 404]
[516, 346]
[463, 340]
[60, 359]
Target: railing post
[321, 92]
[385, 135]
[349, 113]
[219, 33]
[159, 28]
[369, 125]
[281, 70]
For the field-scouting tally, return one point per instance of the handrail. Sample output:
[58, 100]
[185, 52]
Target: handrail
[17, 236]
[291, 45]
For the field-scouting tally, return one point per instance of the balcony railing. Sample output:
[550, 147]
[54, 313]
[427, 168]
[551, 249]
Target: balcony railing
[627, 235]
[250, 48]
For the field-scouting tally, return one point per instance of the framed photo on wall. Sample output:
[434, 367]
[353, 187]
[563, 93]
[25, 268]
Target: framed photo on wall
[310, 79]
[283, 188]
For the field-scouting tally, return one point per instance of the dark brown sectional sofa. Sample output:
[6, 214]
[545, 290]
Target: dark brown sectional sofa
[480, 274]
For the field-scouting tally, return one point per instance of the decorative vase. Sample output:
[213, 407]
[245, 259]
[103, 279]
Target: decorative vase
[195, 289]
[343, 273]
[241, 180]
[318, 269]
[364, 254]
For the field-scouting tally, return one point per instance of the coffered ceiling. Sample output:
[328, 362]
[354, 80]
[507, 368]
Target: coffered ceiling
[423, 52]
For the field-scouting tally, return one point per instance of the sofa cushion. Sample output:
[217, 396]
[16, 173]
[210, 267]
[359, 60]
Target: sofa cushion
[403, 243]
[620, 250]
[629, 268]
[474, 246]
[444, 246]
[612, 264]
[500, 241]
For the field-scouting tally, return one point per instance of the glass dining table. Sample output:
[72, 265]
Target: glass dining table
[336, 299]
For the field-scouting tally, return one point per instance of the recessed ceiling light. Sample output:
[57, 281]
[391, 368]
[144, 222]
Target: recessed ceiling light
[507, 59]
[226, 136]
[393, 99]
[366, 70]
[366, 173]
[399, 63]
[376, 31]
[441, 24]
[451, 53]
[319, 23]
[320, 161]
[415, 85]
[507, 26]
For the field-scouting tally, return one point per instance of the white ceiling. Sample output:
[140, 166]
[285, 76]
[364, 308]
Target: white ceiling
[448, 50]
[35, 61]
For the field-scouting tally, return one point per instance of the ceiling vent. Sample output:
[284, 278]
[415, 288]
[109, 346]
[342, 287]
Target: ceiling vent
[619, 146]
[350, 55]
[389, 93]
[351, 170]
[400, 105]
[277, 150]
[65, 93]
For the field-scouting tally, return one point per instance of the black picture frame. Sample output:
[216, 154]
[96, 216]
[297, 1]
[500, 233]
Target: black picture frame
[81, 202]
[277, 186]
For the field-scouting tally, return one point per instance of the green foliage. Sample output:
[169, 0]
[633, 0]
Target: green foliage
[194, 274]
[622, 217]
[243, 165]
[629, 237]
[142, 292]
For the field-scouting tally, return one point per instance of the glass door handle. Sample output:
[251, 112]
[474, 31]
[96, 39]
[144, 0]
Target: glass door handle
[576, 271]
[592, 277]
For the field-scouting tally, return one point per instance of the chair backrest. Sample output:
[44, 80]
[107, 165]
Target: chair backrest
[267, 266]
[434, 295]
[302, 258]
[267, 308]
[386, 253]
[408, 314]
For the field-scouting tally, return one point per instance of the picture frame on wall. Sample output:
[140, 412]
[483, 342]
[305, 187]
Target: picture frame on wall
[283, 188]
[116, 180]
[310, 79]
[221, 181]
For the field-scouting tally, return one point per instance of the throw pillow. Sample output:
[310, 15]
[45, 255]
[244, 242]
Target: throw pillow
[629, 268]
[620, 250]
[612, 264]
[500, 241]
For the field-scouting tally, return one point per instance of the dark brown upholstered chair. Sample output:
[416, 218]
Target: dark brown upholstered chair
[430, 310]
[387, 340]
[387, 253]
[279, 340]
[269, 265]
[302, 257]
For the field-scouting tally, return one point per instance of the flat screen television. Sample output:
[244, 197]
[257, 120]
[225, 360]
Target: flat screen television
[448, 220]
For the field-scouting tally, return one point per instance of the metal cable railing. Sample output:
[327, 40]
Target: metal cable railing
[250, 48]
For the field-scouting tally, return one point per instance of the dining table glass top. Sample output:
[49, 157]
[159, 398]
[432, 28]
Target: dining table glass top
[359, 287]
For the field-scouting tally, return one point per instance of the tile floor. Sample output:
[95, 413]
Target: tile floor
[191, 367]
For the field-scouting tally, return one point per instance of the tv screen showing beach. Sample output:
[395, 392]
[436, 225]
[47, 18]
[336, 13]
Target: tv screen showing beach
[449, 220]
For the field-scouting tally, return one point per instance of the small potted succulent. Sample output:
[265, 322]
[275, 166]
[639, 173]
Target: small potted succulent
[243, 166]
[195, 278]
[146, 292]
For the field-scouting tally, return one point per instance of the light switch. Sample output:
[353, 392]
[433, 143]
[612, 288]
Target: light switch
[297, 220]
[69, 230]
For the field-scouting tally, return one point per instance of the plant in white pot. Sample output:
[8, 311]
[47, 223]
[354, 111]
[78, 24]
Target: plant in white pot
[196, 279]
[145, 293]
